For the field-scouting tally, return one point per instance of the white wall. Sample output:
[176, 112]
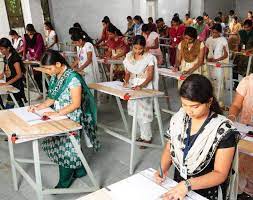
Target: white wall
[242, 7]
[4, 22]
[32, 12]
[89, 14]
[212, 7]
[197, 8]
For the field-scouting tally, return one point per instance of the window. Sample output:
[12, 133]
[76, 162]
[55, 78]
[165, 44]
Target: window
[15, 14]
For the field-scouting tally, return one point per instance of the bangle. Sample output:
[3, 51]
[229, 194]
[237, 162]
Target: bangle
[188, 185]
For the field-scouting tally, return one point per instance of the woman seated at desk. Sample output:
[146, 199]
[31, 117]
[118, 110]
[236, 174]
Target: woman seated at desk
[86, 64]
[70, 96]
[201, 144]
[241, 110]
[117, 49]
[141, 72]
[152, 43]
[217, 51]
[13, 71]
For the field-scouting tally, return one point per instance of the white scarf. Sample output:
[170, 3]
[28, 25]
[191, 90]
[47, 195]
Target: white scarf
[205, 146]
[137, 67]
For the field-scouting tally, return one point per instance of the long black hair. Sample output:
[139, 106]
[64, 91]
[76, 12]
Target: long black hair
[198, 88]
[114, 29]
[51, 57]
[79, 36]
[30, 28]
[78, 26]
[140, 40]
[6, 43]
[49, 25]
[138, 18]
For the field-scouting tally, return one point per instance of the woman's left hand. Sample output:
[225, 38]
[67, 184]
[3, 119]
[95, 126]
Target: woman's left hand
[3, 84]
[137, 87]
[177, 193]
[51, 114]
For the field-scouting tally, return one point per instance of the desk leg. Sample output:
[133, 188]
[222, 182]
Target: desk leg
[14, 100]
[111, 72]
[44, 86]
[27, 86]
[13, 169]
[83, 160]
[249, 64]
[159, 119]
[134, 128]
[123, 116]
[219, 84]
[231, 84]
[37, 169]
[166, 92]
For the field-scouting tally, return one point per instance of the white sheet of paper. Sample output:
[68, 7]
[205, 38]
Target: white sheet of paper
[32, 118]
[248, 138]
[169, 72]
[242, 128]
[116, 85]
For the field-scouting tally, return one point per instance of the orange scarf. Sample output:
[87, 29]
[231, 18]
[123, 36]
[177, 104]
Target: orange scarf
[190, 55]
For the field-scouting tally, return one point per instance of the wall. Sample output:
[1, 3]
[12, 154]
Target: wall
[242, 7]
[212, 7]
[4, 25]
[197, 8]
[89, 14]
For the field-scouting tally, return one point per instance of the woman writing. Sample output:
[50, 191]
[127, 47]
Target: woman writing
[141, 72]
[69, 95]
[201, 144]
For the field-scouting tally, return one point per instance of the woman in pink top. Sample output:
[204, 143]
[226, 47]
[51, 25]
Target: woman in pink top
[152, 43]
[242, 107]
[176, 33]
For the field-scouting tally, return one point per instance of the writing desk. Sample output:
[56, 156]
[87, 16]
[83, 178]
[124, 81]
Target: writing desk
[9, 90]
[222, 67]
[112, 63]
[23, 132]
[140, 186]
[107, 88]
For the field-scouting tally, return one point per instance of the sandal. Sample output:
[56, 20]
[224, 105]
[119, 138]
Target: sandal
[147, 142]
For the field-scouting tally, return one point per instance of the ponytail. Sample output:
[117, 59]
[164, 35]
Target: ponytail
[215, 107]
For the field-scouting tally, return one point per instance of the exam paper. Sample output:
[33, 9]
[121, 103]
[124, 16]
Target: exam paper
[116, 85]
[35, 118]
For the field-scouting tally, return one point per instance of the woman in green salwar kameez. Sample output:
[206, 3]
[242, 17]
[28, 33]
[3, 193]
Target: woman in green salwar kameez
[69, 95]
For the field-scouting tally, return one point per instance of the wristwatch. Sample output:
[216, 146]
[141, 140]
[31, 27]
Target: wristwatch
[188, 185]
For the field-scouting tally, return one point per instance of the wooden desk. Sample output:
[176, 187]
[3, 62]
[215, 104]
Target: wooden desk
[140, 186]
[222, 66]
[112, 63]
[24, 133]
[9, 90]
[130, 95]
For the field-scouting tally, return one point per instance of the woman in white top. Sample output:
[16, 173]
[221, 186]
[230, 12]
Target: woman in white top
[141, 72]
[138, 23]
[86, 64]
[152, 43]
[17, 41]
[51, 37]
[217, 51]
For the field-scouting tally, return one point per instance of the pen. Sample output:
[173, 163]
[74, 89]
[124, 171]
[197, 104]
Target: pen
[160, 170]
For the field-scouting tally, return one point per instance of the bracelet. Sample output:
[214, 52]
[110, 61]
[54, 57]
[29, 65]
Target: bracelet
[188, 185]
[232, 115]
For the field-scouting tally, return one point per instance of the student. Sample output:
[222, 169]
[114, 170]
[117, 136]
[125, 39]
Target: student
[104, 35]
[16, 41]
[233, 39]
[130, 26]
[245, 45]
[69, 95]
[117, 49]
[201, 145]
[202, 29]
[86, 64]
[138, 22]
[163, 29]
[190, 55]
[88, 38]
[207, 19]
[231, 18]
[218, 20]
[13, 72]
[176, 33]
[188, 21]
[221, 16]
[151, 25]
[51, 37]
[241, 110]
[217, 51]
[250, 16]
[141, 72]
[33, 50]
[152, 43]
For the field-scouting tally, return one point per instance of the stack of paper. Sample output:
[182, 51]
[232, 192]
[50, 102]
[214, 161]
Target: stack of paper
[35, 118]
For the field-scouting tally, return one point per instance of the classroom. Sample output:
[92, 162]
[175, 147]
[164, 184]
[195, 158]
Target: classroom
[126, 99]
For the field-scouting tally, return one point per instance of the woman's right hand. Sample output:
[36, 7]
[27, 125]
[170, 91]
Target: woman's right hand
[158, 178]
[32, 108]
[125, 84]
